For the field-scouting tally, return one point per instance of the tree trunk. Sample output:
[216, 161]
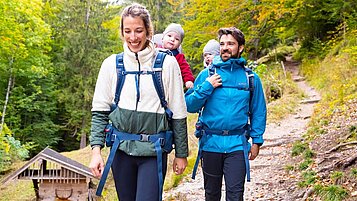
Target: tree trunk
[7, 96]
[83, 142]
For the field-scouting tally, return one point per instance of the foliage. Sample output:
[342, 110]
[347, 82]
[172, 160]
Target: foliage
[319, 21]
[163, 12]
[299, 148]
[309, 178]
[289, 168]
[11, 149]
[81, 43]
[26, 67]
[20, 190]
[354, 172]
[337, 73]
[336, 177]
[305, 164]
[335, 77]
[308, 154]
[201, 21]
[331, 192]
[281, 92]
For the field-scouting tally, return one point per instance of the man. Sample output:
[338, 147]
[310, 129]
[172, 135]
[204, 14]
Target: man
[231, 111]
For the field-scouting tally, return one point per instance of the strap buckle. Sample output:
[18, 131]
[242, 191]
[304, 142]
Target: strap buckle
[225, 132]
[113, 137]
[144, 137]
[162, 141]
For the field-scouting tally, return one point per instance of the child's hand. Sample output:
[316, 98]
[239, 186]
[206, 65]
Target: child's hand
[189, 84]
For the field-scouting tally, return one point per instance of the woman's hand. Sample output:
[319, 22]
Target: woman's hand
[179, 165]
[96, 164]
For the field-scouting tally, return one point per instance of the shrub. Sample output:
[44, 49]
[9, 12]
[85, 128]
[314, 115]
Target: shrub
[331, 192]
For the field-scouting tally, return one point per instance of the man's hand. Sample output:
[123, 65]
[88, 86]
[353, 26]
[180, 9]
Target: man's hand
[254, 151]
[179, 165]
[215, 80]
[96, 164]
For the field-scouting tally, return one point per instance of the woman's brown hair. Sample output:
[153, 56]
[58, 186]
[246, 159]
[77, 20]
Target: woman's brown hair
[137, 10]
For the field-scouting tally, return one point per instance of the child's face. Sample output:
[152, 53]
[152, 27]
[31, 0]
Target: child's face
[208, 58]
[171, 40]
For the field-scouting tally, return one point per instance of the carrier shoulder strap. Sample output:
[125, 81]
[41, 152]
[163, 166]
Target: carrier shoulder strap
[156, 76]
[120, 76]
[157, 79]
[250, 77]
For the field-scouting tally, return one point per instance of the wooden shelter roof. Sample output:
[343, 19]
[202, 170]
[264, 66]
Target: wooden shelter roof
[51, 155]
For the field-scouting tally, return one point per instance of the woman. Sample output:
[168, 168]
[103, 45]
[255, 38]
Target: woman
[135, 168]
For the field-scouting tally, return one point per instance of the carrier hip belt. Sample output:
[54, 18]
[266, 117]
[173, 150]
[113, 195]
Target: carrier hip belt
[158, 139]
[243, 134]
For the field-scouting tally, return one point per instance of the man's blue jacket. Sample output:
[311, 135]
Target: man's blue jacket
[227, 107]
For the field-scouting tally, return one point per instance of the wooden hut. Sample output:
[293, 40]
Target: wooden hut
[56, 177]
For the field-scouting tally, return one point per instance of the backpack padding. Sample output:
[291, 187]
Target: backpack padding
[120, 76]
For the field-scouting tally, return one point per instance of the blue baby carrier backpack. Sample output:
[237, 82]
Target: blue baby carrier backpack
[203, 130]
[163, 140]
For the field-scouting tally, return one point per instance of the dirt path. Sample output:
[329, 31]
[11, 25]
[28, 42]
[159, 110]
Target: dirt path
[269, 178]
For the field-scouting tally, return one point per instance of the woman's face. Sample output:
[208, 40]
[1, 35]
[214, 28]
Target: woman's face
[135, 33]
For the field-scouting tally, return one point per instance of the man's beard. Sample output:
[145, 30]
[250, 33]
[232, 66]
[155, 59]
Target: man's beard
[229, 53]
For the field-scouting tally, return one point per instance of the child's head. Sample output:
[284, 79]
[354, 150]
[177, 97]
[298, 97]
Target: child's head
[210, 50]
[157, 39]
[173, 36]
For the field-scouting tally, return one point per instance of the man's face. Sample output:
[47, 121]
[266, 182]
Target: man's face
[229, 47]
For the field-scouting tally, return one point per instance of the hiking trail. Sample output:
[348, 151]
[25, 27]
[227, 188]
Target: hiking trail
[270, 180]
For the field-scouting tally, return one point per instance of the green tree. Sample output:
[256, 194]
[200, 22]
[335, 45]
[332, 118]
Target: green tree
[163, 12]
[29, 101]
[202, 19]
[318, 21]
[81, 43]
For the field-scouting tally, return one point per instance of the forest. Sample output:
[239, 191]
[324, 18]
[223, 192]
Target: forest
[51, 52]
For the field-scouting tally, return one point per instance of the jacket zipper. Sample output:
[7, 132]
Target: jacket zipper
[137, 82]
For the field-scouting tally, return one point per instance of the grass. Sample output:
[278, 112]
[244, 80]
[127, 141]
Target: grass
[309, 178]
[331, 192]
[299, 148]
[171, 179]
[335, 78]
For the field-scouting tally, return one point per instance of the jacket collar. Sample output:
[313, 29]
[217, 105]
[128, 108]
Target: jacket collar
[230, 63]
[175, 52]
[144, 55]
